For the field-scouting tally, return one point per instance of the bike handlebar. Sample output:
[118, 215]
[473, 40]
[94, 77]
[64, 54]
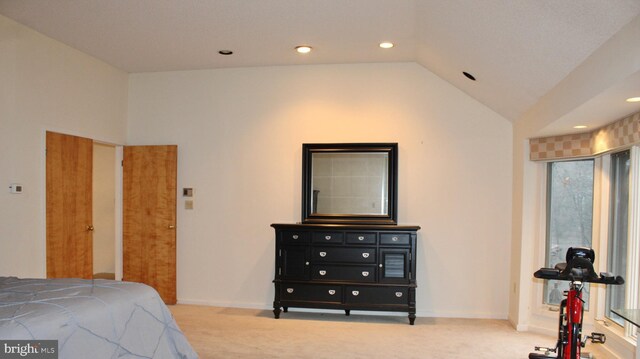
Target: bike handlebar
[578, 270]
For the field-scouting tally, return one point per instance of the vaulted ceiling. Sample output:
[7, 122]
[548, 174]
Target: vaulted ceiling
[518, 50]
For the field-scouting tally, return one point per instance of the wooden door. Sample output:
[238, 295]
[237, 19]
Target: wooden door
[69, 161]
[149, 217]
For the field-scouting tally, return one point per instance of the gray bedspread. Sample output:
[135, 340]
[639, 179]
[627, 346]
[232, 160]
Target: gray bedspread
[91, 318]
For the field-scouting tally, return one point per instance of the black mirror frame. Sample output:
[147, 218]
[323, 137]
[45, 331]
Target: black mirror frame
[391, 218]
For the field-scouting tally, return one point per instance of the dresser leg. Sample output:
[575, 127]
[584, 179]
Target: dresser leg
[412, 318]
[347, 312]
[276, 312]
[285, 309]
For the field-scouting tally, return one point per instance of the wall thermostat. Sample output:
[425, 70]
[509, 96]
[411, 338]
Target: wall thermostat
[15, 188]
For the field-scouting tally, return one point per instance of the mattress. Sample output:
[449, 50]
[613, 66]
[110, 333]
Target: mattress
[91, 318]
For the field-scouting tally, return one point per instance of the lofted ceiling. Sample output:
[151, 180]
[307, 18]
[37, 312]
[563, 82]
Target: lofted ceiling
[517, 49]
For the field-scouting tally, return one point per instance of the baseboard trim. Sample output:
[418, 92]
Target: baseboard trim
[419, 313]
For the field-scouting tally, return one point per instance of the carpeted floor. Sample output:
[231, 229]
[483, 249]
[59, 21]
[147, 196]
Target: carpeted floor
[247, 333]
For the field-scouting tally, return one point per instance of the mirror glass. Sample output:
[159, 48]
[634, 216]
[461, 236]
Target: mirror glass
[349, 183]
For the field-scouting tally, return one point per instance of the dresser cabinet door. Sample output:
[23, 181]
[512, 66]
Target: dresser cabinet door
[394, 265]
[294, 262]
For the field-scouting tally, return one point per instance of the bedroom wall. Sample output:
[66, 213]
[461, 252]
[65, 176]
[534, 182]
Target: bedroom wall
[239, 134]
[104, 208]
[45, 85]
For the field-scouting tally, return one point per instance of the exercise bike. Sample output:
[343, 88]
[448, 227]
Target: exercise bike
[577, 270]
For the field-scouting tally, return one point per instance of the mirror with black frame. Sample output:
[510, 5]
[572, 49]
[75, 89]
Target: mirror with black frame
[349, 183]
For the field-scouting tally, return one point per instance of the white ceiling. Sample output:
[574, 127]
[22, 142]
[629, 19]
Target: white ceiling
[517, 49]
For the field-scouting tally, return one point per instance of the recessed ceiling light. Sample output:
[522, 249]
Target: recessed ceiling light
[633, 99]
[303, 49]
[386, 45]
[225, 52]
[469, 76]
[579, 127]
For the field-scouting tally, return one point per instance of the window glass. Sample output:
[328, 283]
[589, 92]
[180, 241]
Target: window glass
[569, 218]
[618, 231]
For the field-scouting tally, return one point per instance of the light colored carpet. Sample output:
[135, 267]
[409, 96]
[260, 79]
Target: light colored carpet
[247, 333]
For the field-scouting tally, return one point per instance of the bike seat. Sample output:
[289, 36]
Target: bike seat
[580, 252]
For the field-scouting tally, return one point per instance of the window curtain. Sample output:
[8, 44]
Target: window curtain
[617, 135]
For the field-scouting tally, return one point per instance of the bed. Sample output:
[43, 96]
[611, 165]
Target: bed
[91, 318]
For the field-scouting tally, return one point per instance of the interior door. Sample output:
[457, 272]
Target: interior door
[69, 162]
[149, 217]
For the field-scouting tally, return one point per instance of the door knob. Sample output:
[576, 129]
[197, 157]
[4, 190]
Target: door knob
[90, 228]
[171, 226]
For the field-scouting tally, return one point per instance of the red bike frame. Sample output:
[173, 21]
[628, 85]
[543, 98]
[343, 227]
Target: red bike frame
[573, 343]
[577, 270]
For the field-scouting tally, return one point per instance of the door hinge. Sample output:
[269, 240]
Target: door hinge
[122, 163]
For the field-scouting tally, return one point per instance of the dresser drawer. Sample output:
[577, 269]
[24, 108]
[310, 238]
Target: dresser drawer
[309, 292]
[347, 255]
[344, 273]
[376, 295]
[295, 237]
[395, 238]
[361, 238]
[327, 237]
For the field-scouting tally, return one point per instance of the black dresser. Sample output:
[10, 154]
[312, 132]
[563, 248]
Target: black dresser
[345, 266]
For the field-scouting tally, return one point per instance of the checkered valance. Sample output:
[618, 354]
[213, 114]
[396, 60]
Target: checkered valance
[616, 135]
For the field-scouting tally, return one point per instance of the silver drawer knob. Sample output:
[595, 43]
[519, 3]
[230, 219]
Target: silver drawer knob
[378, 266]
[323, 254]
[398, 294]
[355, 293]
[327, 237]
[395, 239]
[295, 236]
[289, 290]
[306, 263]
[322, 272]
[365, 255]
[365, 273]
[332, 291]
[361, 238]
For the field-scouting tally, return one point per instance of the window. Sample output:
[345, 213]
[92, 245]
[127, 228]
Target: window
[618, 231]
[569, 218]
